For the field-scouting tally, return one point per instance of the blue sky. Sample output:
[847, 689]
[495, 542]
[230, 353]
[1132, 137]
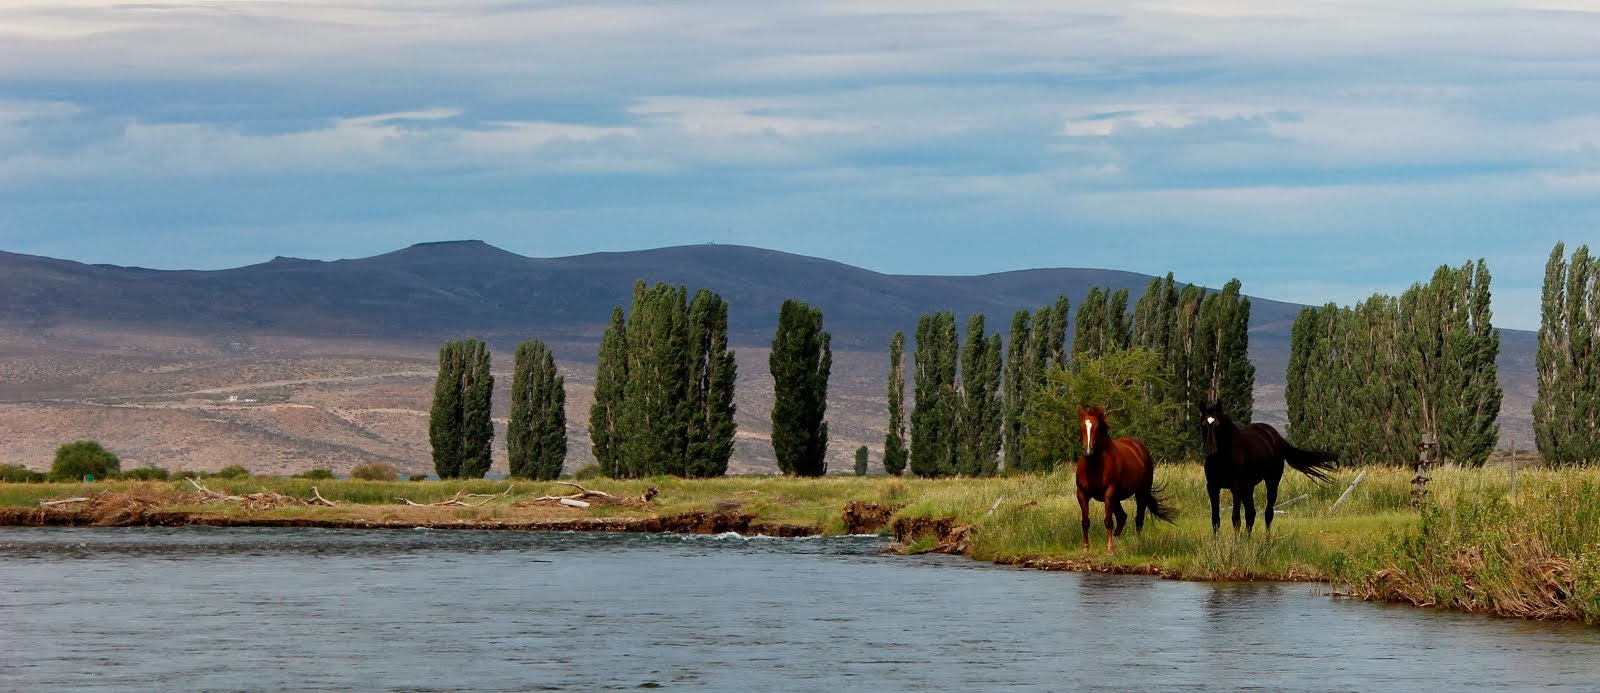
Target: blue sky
[1317, 151]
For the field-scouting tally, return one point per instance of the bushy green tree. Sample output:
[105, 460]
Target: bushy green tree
[536, 433]
[1121, 381]
[80, 458]
[800, 362]
[1566, 415]
[862, 455]
[894, 442]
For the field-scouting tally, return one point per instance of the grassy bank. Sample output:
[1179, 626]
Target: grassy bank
[1534, 555]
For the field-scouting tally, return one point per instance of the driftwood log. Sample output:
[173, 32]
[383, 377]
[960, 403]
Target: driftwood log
[581, 498]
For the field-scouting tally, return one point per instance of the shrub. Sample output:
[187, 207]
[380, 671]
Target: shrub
[81, 458]
[188, 474]
[419, 477]
[315, 474]
[232, 471]
[147, 474]
[375, 471]
[589, 472]
[18, 474]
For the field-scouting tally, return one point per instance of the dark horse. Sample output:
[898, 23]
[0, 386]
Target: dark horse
[1238, 459]
[1110, 471]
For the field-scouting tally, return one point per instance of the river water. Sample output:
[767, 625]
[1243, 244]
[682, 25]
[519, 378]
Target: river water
[262, 609]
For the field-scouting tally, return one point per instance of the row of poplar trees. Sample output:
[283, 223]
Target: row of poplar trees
[1371, 381]
[973, 403]
[460, 428]
[663, 397]
[1566, 416]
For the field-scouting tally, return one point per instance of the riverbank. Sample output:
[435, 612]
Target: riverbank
[1535, 555]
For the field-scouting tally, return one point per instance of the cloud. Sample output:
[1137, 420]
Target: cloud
[851, 127]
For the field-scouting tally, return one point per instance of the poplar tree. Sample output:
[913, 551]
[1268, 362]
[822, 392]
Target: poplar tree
[444, 419]
[605, 415]
[1018, 385]
[1566, 414]
[460, 429]
[1222, 353]
[980, 413]
[894, 443]
[800, 362]
[934, 424]
[862, 457]
[536, 434]
[1037, 344]
[477, 424]
[712, 372]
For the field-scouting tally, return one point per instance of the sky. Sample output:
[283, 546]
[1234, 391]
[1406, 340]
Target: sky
[1317, 151]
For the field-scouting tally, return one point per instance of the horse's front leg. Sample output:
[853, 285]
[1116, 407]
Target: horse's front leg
[1238, 502]
[1111, 508]
[1216, 507]
[1083, 507]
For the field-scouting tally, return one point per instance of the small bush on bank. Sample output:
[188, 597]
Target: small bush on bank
[315, 474]
[232, 471]
[18, 474]
[419, 477]
[147, 474]
[375, 471]
[82, 458]
[589, 472]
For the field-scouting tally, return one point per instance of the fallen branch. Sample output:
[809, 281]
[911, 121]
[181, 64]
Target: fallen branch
[457, 502]
[317, 499]
[574, 503]
[213, 496]
[63, 501]
[583, 492]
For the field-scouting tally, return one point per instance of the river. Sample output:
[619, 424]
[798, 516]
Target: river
[264, 609]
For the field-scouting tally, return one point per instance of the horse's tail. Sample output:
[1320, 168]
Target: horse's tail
[1312, 463]
[1158, 506]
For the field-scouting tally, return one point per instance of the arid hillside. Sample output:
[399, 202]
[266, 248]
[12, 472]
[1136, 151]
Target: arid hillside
[295, 364]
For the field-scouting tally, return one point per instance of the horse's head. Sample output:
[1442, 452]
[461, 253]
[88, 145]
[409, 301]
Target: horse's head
[1213, 420]
[1092, 425]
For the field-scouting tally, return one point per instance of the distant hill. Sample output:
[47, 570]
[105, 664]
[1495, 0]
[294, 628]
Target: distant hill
[434, 290]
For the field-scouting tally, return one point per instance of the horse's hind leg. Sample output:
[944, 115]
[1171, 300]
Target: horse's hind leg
[1112, 509]
[1122, 516]
[1250, 511]
[1272, 502]
[1138, 512]
[1083, 507]
[1238, 502]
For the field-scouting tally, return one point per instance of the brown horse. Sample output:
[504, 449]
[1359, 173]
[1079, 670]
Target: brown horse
[1110, 471]
[1238, 459]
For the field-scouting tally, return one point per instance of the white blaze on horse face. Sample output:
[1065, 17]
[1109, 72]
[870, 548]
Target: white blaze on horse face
[1088, 436]
[1211, 419]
